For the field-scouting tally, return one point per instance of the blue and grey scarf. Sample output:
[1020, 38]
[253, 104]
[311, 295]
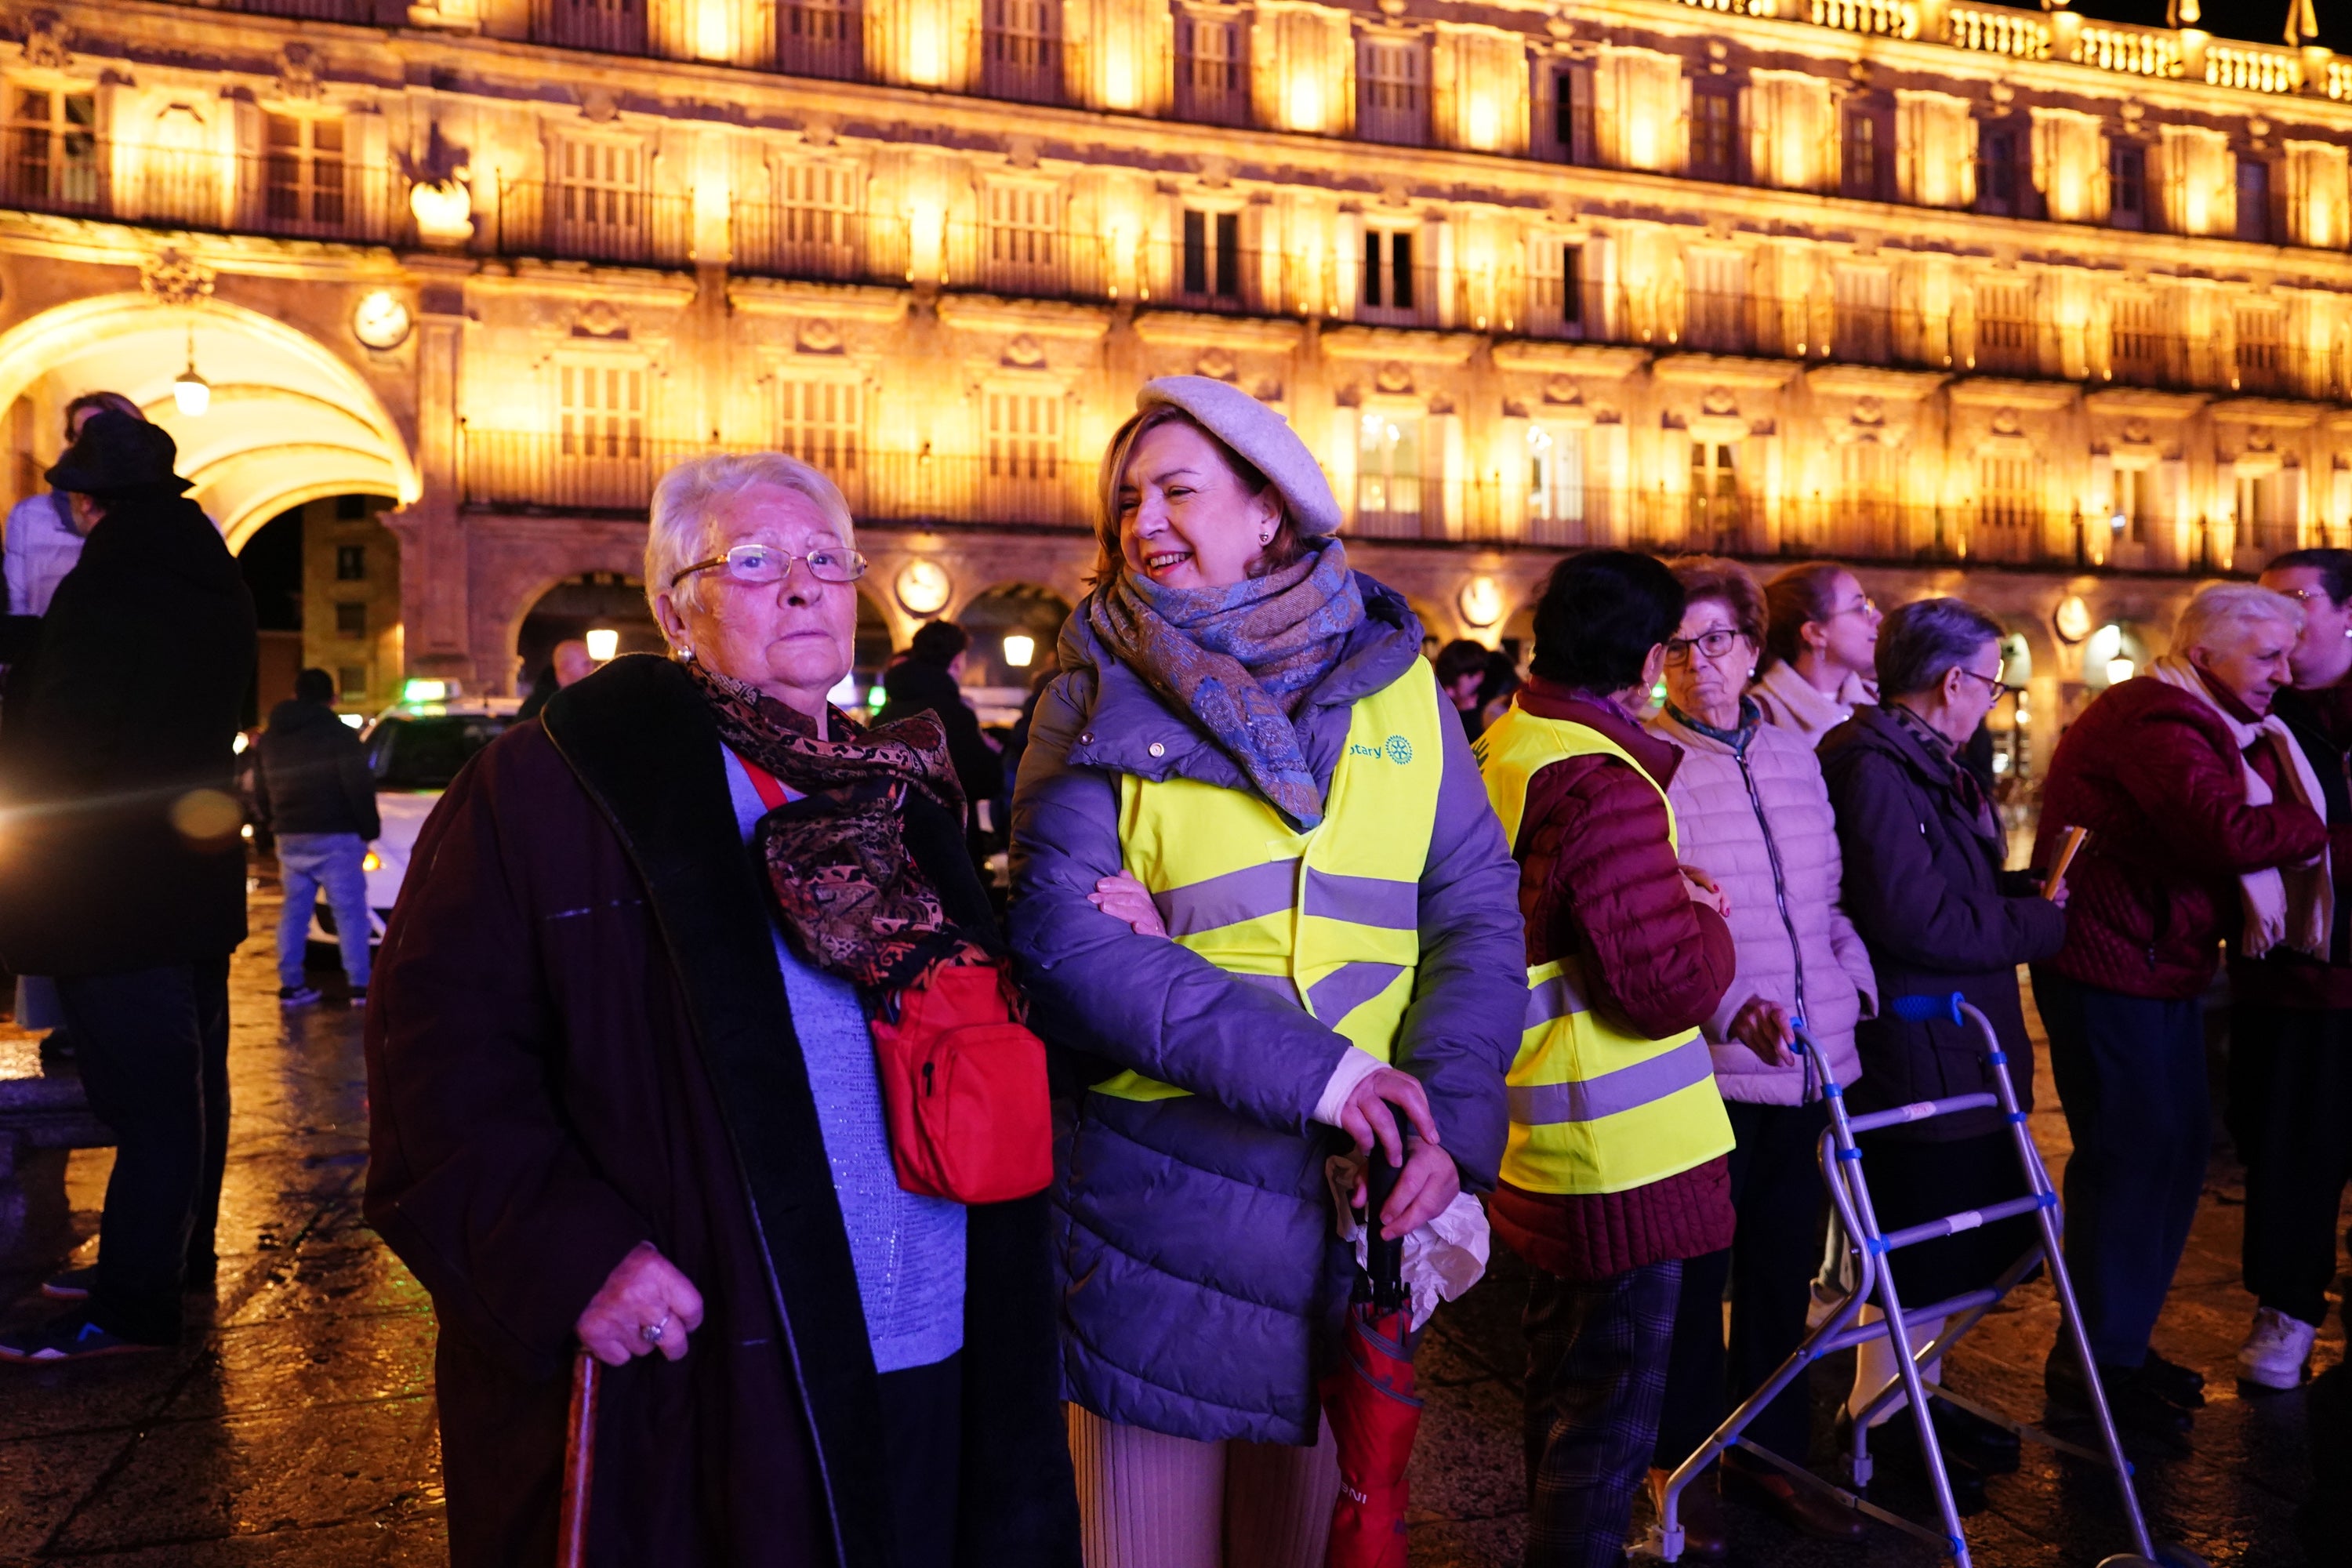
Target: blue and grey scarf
[1240, 660]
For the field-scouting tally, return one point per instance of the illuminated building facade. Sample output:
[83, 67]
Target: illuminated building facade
[2042, 306]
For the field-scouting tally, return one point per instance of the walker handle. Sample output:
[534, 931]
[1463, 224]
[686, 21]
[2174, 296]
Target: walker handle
[1927, 1009]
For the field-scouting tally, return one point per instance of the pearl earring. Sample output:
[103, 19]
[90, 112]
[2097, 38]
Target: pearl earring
[1268, 539]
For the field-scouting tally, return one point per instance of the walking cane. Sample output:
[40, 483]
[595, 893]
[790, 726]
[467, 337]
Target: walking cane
[579, 1466]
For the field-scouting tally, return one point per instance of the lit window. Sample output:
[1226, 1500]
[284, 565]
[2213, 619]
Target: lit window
[304, 172]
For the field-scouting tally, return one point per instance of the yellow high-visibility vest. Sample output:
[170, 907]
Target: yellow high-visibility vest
[1594, 1108]
[1329, 918]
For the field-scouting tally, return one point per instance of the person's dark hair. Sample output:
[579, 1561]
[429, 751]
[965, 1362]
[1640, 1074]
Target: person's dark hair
[938, 643]
[1460, 658]
[2333, 566]
[1928, 637]
[1729, 584]
[1800, 594]
[1599, 615]
[315, 686]
[113, 401]
[1285, 548]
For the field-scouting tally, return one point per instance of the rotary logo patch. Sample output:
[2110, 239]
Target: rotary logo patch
[1400, 750]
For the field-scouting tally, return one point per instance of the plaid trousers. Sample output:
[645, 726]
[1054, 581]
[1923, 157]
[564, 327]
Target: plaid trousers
[1596, 1384]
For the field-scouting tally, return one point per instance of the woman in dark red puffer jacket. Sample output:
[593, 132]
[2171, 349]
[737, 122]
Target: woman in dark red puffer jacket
[1602, 893]
[2158, 769]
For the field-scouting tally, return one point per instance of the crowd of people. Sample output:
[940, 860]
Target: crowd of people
[923, 1235]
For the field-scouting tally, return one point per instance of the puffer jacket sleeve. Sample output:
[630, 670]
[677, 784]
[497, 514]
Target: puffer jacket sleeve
[2197, 797]
[1142, 1002]
[1894, 890]
[1470, 995]
[1656, 960]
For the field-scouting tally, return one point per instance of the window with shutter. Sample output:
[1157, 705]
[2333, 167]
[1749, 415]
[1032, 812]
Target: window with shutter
[600, 199]
[1389, 476]
[1391, 96]
[303, 175]
[2005, 328]
[1023, 473]
[821, 422]
[1211, 69]
[52, 156]
[1024, 248]
[1211, 261]
[818, 38]
[1022, 49]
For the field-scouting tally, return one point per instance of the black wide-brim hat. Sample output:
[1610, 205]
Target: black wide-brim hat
[119, 452]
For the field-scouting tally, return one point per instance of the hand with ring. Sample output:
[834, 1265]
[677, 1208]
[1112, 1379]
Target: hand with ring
[645, 1305]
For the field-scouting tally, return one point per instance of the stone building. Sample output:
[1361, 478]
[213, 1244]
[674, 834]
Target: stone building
[2054, 309]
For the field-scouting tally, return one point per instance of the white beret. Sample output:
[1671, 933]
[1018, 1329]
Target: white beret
[1260, 435]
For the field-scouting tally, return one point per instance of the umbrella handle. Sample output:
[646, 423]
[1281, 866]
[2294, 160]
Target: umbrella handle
[579, 1466]
[1383, 1260]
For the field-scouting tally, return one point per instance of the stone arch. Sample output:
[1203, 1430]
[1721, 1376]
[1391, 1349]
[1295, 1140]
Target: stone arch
[515, 563]
[291, 421]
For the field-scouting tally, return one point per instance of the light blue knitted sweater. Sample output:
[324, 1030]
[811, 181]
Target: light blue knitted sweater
[908, 1249]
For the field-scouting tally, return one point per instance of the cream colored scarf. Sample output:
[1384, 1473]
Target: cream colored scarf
[2292, 906]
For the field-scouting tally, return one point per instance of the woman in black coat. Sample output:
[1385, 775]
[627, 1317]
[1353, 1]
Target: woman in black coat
[1925, 887]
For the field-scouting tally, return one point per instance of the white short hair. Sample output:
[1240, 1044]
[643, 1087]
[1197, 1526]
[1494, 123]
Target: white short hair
[2220, 615]
[681, 533]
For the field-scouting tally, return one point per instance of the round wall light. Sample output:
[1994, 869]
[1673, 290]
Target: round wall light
[922, 586]
[2072, 620]
[1481, 602]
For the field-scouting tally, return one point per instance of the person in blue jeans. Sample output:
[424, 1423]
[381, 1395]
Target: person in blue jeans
[317, 793]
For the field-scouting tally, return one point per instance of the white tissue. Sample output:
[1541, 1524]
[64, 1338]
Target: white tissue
[1442, 1259]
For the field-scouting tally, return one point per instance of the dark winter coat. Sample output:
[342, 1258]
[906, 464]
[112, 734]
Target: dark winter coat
[312, 776]
[1200, 1274]
[2157, 778]
[1599, 882]
[1924, 886]
[122, 706]
[578, 1041]
[914, 687]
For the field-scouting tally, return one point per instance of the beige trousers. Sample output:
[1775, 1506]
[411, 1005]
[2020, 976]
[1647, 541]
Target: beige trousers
[1147, 1501]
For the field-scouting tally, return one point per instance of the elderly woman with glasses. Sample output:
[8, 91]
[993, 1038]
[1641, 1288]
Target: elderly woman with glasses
[1751, 808]
[1923, 884]
[622, 1063]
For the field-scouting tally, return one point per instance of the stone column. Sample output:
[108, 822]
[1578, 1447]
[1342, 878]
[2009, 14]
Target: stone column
[433, 568]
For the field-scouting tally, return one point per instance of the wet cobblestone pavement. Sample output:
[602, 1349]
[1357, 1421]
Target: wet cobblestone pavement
[295, 1424]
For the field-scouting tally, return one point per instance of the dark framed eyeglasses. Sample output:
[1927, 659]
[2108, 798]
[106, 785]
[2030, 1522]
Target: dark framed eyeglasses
[754, 564]
[2000, 688]
[1713, 644]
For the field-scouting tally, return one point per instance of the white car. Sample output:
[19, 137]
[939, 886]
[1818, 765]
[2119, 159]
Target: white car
[414, 749]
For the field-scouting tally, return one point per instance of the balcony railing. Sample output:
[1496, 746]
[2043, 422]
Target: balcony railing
[1026, 484]
[297, 195]
[578, 222]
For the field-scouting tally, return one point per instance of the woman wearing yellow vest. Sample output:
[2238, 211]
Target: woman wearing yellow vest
[1614, 1172]
[1256, 879]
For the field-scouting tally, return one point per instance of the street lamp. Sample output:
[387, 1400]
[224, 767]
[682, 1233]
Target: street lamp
[192, 393]
[603, 642]
[1020, 648]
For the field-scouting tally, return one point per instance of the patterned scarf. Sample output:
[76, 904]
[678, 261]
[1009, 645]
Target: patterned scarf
[852, 898]
[1240, 660]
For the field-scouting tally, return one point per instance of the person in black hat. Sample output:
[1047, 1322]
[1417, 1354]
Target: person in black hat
[121, 871]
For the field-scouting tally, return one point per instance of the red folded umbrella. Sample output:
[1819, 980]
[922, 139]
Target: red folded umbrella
[1370, 1403]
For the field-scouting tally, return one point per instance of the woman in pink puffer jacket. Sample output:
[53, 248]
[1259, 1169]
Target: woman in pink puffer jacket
[1753, 814]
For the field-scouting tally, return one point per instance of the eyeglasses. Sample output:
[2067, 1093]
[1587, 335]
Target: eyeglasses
[2000, 688]
[1713, 644]
[754, 564]
[1865, 606]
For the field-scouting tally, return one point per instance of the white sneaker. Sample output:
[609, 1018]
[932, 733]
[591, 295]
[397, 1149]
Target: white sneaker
[2276, 1350]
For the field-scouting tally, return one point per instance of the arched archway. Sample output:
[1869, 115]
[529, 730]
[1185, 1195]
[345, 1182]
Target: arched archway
[291, 420]
[998, 621]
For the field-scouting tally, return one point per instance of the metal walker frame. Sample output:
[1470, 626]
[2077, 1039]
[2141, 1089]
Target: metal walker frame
[1849, 1191]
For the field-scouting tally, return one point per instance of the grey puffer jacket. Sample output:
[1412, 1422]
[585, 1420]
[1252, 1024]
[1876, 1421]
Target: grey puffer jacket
[1200, 1279]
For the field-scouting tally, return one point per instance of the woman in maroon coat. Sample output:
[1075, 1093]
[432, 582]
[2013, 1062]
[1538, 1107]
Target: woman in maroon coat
[624, 1097]
[2196, 802]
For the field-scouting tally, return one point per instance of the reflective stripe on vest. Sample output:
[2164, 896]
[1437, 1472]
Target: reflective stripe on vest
[1594, 1108]
[1329, 918]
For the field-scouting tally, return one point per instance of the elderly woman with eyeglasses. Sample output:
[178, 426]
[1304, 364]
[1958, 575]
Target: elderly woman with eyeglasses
[1750, 807]
[622, 1065]
[1925, 885]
